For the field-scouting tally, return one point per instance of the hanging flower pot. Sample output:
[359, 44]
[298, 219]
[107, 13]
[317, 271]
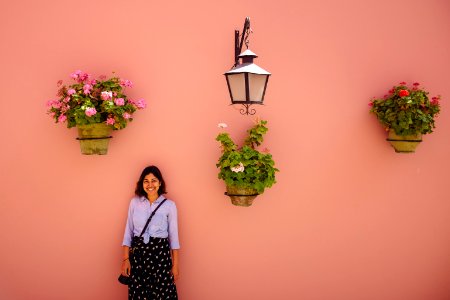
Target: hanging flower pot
[241, 196]
[404, 143]
[407, 113]
[246, 171]
[95, 107]
[94, 138]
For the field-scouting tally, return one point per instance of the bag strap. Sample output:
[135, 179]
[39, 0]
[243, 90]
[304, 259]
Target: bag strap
[151, 216]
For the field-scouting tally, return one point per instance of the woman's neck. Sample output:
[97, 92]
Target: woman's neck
[152, 198]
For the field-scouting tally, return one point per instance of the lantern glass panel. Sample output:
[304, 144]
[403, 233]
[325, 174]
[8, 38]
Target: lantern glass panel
[257, 84]
[237, 86]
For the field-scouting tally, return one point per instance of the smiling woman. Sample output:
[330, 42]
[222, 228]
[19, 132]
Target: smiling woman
[150, 243]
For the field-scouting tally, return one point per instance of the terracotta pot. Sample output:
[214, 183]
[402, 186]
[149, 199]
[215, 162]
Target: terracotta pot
[241, 196]
[94, 138]
[404, 143]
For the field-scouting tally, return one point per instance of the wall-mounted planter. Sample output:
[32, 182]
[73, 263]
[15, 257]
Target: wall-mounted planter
[408, 111]
[241, 196]
[101, 103]
[94, 138]
[404, 144]
[246, 171]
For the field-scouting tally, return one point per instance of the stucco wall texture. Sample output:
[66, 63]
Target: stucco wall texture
[349, 219]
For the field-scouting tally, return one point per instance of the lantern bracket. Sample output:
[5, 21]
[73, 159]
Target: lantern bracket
[238, 45]
[246, 110]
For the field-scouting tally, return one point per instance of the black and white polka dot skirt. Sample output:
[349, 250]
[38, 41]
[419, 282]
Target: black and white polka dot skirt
[151, 266]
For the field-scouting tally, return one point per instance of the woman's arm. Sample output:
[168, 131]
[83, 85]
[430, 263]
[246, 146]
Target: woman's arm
[173, 238]
[126, 266]
[175, 271]
[129, 226]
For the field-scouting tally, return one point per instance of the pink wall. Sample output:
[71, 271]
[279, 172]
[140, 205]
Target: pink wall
[348, 219]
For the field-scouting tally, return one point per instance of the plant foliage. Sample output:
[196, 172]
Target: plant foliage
[406, 110]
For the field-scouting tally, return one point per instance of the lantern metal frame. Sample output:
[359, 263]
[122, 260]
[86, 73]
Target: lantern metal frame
[246, 67]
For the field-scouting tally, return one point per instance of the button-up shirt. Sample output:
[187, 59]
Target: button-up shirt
[163, 224]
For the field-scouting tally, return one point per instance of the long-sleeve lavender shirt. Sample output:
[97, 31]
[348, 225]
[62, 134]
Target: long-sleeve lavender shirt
[163, 224]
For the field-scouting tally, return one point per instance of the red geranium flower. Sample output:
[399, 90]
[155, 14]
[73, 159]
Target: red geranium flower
[402, 83]
[435, 100]
[403, 93]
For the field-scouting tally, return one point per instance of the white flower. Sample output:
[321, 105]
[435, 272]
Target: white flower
[222, 125]
[106, 95]
[237, 169]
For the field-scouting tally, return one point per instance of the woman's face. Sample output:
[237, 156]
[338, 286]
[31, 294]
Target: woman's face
[151, 185]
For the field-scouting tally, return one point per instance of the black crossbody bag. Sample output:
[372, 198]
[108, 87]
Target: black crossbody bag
[127, 279]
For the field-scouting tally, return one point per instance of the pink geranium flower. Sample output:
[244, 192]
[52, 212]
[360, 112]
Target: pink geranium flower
[126, 115]
[54, 104]
[90, 111]
[83, 76]
[75, 75]
[110, 121]
[119, 101]
[80, 76]
[126, 83]
[87, 88]
[65, 108]
[140, 104]
[62, 119]
[71, 92]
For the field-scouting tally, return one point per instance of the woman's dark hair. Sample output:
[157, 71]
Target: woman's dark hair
[157, 173]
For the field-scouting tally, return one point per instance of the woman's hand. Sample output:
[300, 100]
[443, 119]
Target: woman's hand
[175, 272]
[126, 267]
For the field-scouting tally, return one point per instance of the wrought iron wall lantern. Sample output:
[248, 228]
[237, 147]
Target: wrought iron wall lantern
[246, 81]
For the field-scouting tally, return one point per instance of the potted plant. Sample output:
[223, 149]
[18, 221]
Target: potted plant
[245, 170]
[407, 113]
[95, 107]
